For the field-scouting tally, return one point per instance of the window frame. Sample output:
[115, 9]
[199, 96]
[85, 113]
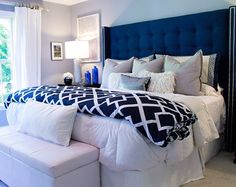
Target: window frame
[8, 15]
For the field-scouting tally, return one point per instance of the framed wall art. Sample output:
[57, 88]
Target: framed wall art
[89, 28]
[56, 51]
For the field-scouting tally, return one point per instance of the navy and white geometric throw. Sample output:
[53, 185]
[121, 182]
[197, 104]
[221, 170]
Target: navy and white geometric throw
[159, 119]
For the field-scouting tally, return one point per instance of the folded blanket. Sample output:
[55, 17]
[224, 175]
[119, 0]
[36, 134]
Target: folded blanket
[159, 119]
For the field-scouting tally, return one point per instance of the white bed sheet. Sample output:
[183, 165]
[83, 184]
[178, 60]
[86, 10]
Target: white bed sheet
[122, 148]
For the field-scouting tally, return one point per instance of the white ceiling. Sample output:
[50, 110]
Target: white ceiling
[66, 2]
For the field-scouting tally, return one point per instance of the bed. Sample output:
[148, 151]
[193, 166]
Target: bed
[129, 159]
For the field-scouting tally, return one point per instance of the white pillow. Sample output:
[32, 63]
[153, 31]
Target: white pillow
[114, 80]
[53, 123]
[14, 113]
[160, 82]
[209, 90]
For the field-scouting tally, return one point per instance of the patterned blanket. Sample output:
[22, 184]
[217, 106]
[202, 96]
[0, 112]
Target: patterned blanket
[160, 120]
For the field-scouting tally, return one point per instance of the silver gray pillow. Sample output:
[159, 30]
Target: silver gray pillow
[115, 66]
[155, 65]
[187, 73]
[133, 83]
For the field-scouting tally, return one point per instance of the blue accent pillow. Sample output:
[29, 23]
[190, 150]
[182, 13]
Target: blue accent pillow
[133, 83]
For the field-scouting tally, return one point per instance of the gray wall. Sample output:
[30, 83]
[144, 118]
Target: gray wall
[56, 26]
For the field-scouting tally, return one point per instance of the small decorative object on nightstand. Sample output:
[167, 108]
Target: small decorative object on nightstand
[68, 78]
[87, 76]
[95, 75]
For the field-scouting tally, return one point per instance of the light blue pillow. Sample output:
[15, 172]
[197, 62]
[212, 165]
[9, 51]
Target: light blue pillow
[133, 83]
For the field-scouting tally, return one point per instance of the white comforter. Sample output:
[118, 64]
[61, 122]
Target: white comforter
[123, 148]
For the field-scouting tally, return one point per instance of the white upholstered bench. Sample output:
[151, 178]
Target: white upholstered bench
[29, 162]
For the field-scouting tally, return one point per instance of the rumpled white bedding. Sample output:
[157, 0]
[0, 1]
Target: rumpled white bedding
[123, 148]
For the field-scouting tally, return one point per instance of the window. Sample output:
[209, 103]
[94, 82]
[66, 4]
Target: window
[6, 22]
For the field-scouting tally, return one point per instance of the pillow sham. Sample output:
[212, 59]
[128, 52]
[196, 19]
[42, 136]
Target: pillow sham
[133, 83]
[53, 123]
[209, 73]
[155, 65]
[187, 73]
[115, 66]
[160, 82]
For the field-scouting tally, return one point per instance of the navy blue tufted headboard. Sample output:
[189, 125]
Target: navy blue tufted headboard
[182, 35]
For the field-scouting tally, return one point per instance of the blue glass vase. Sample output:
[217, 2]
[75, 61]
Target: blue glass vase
[95, 75]
[87, 78]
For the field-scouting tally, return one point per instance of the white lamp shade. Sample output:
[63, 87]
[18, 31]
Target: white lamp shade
[76, 49]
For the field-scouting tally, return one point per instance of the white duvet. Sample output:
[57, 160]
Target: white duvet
[123, 148]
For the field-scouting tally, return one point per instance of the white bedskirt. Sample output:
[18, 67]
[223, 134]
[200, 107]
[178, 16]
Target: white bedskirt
[163, 175]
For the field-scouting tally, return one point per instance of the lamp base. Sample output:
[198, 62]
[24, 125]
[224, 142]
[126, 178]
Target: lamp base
[77, 72]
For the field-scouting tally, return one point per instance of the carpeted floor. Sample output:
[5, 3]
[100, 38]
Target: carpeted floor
[220, 172]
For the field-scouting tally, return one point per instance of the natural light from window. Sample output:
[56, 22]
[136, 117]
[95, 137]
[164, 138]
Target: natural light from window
[5, 57]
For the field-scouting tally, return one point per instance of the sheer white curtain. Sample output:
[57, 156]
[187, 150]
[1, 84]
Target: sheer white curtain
[27, 48]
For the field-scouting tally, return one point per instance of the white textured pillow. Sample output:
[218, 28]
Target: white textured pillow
[114, 79]
[53, 123]
[209, 90]
[160, 82]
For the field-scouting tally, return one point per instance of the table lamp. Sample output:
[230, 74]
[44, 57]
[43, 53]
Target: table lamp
[77, 50]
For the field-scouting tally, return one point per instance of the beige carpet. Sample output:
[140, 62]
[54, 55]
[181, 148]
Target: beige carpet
[220, 172]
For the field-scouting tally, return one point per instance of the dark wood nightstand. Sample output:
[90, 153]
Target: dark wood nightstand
[86, 86]
[67, 85]
[93, 86]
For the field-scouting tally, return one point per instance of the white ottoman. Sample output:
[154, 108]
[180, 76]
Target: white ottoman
[29, 162]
